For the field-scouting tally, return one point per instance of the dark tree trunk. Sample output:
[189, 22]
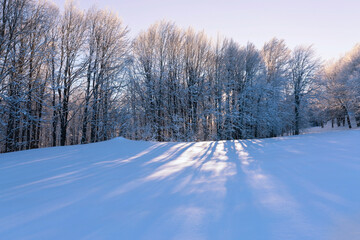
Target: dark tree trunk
[297, 114]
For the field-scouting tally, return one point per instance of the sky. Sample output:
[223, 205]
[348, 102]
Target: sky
[332, 27]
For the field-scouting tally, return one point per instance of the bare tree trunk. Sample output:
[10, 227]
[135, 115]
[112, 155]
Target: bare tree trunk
[297, 114]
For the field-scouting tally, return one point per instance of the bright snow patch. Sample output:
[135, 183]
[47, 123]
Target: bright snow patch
[303, 187]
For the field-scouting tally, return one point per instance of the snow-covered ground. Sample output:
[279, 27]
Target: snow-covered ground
[328, 127]
[300, 187]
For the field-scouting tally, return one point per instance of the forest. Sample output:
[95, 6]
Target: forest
[74, 77]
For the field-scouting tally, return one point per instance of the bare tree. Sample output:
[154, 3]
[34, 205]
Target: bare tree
[106, 59]
[272, 110]
[70, 69]
[303, 72]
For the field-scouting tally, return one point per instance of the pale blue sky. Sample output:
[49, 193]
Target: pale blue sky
[331, 26]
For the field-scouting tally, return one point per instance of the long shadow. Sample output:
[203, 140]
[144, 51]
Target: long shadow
[54, 166]
[272, 204]
[177, 205]
[139, 190]
[73, 187]
[172, 169]
[238, 217]
[313, 171]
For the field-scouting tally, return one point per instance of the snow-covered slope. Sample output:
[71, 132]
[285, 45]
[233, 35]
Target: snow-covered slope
[301, 187]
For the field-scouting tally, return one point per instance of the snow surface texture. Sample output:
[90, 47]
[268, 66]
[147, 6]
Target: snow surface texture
[300, 187]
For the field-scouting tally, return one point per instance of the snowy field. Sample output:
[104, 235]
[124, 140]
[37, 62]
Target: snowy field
[299, 187]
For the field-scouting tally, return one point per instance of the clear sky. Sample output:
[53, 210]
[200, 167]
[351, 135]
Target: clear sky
[331, 26]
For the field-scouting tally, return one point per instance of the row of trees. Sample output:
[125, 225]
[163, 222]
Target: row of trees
[75, 77]
[60, 74]
[184, 87]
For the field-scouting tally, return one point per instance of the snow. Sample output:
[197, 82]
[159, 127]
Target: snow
[299, 187]
[328, 127]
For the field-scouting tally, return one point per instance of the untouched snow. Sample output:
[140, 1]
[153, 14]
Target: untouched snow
[328, 127]
[301, 187]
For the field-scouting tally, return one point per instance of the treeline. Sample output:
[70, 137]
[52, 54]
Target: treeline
[185, 87]
[76, 77]
[60, 74]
